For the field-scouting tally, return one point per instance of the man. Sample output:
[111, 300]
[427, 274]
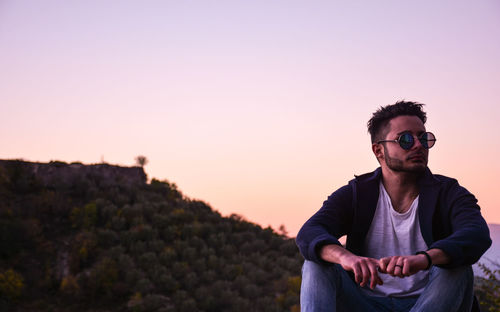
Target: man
[411, 235]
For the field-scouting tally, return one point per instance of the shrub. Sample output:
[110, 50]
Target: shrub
[69, 286]
[488, 290]
[11, 285]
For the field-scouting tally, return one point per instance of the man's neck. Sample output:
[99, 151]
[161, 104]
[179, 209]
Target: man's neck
[402, 188]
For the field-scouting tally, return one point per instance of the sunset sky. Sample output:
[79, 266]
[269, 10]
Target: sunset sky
[256, 107]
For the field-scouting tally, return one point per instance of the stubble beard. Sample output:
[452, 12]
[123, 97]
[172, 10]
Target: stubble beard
[398, 165]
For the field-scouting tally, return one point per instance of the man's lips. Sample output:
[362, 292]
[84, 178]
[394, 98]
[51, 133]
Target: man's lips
[416, 157]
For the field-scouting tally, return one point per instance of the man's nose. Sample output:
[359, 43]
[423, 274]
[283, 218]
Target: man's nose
[417, 144]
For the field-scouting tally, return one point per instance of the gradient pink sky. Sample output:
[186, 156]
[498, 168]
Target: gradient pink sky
[257, 107]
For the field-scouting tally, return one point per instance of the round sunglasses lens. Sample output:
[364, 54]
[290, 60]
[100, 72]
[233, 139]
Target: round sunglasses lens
[424, 140]
[406, 141]
[427, 139]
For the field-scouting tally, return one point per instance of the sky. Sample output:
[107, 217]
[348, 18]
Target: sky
[258, 108]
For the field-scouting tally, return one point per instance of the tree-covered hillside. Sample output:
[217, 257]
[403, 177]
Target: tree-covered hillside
[99, 238]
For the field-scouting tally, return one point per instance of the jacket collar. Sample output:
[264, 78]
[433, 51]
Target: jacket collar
[427, 179]
[365, 197]
[428, 197]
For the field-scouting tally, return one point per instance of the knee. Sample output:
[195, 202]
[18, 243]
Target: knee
[449, 289]
[311, 268]
[458, 273]
[321, 273]
[462, 275]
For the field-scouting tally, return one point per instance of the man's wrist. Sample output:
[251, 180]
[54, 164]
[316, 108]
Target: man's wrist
[427, 256]
[438, 256]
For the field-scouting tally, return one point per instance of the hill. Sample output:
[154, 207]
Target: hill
[80, 237]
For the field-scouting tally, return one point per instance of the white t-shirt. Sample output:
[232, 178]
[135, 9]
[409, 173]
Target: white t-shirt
[395, 234]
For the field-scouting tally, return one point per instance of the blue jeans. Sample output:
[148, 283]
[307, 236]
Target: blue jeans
[329, 288]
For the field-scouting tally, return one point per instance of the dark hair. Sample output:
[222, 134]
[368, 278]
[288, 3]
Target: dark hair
[377, 125]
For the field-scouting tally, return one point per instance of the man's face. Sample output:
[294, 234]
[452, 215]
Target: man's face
[395, 157]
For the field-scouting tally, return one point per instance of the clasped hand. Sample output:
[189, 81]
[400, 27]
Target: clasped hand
[367, 269]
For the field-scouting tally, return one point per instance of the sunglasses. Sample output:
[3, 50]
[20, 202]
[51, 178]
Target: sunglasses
[406, 140]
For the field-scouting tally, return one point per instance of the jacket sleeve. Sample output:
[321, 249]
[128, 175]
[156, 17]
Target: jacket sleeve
[331, 222]
[470, 236]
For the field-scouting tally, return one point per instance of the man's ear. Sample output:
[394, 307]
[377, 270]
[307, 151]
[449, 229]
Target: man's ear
[378, 150]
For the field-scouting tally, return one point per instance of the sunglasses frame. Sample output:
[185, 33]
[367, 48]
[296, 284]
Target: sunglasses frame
[399, 140]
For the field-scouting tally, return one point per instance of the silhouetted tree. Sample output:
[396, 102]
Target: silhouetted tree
[141, 160]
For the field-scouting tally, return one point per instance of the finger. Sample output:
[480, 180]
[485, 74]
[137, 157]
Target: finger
[379, 280]
[391, 265]
[366, 274]
[394, 266]
[374, 276]
[383, 264]
[406, 267]
[398, 268]
[357, 272]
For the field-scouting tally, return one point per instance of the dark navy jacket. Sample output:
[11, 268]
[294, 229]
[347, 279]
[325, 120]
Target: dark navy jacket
[449, 217]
